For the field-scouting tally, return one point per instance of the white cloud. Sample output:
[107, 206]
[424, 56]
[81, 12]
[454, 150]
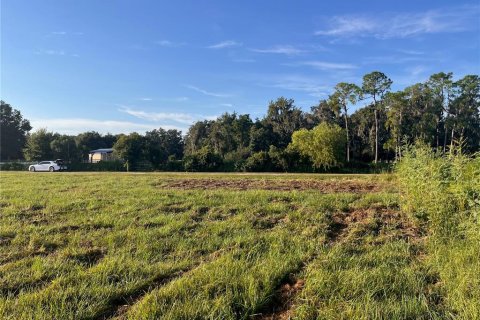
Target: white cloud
[228, 105]
[208, 93]
[146, 99]
[412, 52]
[225, 44]
[159, 116]
[323, 65]
[78, 125]
[286, 49]
[170, 44]
[64, 33]
[178, 99]
[402, 25]
[51, 52]
[397, 59]
[182, 118]
[311, 86]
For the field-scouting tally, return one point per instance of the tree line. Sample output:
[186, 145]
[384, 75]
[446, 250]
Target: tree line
[439, 112]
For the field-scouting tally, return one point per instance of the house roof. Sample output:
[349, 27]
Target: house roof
[104, 150]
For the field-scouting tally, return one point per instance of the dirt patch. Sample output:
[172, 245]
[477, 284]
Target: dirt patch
[359, 223]
[350, 186]
[281, 308]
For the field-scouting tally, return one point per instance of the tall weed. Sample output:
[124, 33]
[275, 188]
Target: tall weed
[443, 194]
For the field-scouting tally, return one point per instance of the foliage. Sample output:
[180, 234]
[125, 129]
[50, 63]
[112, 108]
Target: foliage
[13, 132]
[204, 159]
[38, 146]
[99, 166]
[440, 112]
[258, 162]
[14, 166]
[130, 149]
[92, 140]
[162, 145]
[444, 192]
[323, 144]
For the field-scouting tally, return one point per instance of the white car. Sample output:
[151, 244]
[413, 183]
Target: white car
[46, 166]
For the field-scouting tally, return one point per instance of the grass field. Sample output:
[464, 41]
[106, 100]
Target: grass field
[212, 246]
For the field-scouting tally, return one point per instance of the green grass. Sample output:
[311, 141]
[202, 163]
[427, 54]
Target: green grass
[119, 245]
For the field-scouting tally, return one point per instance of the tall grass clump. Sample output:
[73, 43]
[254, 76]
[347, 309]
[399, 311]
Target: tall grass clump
[443, 193]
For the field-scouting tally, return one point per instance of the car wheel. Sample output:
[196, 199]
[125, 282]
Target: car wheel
[32, 169]
[51, 169]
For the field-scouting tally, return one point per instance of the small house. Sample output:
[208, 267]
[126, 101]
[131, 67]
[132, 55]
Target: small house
[98, 155]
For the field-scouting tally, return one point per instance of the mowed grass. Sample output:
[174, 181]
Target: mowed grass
[118, 245]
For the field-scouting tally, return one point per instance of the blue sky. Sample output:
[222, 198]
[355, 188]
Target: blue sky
[123, 66]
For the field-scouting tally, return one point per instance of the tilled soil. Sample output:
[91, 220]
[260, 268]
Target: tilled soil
[324, 186]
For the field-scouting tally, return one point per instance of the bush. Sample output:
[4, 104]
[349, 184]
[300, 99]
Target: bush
[14, 166]
[258, 162]
[443, 193]
[203, 160]
[99, 166]
[324, 145]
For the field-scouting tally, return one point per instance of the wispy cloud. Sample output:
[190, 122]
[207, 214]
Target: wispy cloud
[170, 44]
[178, 117]
[412, 52]
[176, 99]
[51, 52]
[324, 65]
[78, 125]
[228, 105]
[64, 33]
[281, 49]
[146, 99]
[208, 93]
[225, 44]
[401, 59]
[311, 86]
[402, 25]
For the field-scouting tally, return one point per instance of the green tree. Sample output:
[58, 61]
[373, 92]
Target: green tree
[196, 136]
[130, 148]
[88, 141]
[396, 106]
[13, 132]
[204, 159]
[345, 94]
[64, 147]
[324, 144]
[465, 123]
[441, 85]
[38, 146]
[376, 84]
[284, 118]
[162, 145]
[322, 112]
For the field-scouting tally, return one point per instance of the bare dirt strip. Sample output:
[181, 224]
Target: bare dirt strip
[350, 186]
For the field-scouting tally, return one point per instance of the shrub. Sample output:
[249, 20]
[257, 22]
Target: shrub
[258, 162]
[444, 193]
[14, 166]
[203, 160]
[324, 145]
[99, 166]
